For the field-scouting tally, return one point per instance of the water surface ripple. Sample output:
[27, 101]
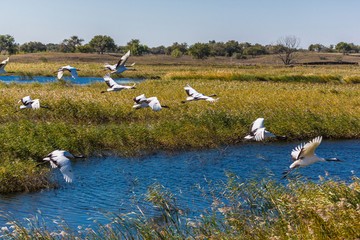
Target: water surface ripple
[115, 184]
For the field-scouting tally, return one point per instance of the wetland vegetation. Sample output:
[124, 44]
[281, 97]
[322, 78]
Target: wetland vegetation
[300, 102]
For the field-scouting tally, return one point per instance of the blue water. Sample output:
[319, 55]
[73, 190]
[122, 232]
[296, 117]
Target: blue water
[117, 184]
[80, 80]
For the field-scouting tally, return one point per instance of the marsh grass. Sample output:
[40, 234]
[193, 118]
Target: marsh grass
[84, 121]
[257, 208]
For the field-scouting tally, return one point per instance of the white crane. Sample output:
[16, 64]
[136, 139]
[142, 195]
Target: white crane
[69, 68]
[29, 103]
[120, 66]
[304, 155]
[115, 86]
[144, 102]
[195, 96]
[258, 132]
[60, 159]
[2, 65]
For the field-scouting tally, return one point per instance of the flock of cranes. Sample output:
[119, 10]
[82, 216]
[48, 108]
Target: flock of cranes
[303, 155]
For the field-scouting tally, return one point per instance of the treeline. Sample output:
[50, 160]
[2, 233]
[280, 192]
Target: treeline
[103, 44]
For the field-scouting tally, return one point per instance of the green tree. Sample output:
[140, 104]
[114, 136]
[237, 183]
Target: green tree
[217, 48]
[199, 50]
[176, 53]
[181, 47]
[31, 47]
[102, 43]
[136, 48]
[255, 50]
[232, 47]
[7, 44]
[69, 45]
[158, 50]
[84, 49]
[316, 47]
[343, 47]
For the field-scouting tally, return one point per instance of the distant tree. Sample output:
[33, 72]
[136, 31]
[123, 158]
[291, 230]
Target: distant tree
[176, 53]
[84, 49]
[199, 50]
[102, 44]
[217, 48]
[286, 49]
[232, 47]
[136, 48]
[7, 44]
[69, 45]
[181, 47]
[158, 50]
[52, 47]
[31, 47]
[343, 47]
[255, 50]
[316, 47]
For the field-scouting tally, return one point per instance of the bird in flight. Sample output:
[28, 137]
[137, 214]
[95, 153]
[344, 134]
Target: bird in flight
[120, 66]
[60, 159]
[72, 70]
[144, 102]
[2, 66]
[193, 95]
[258, 132]
[29, 103]
[115, 86]
[304, 155]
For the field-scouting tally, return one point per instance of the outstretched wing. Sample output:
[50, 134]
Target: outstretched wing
[190, 91]
[60, 74]
[74, 73]
[258, 123]
[67, 172]
[123, 59]
[296, 152]
[309, 148]
[154, 104]
[109, 81]
[140, 99]
[3, 63]
[259, 134]
[35, 104]
[26, 100]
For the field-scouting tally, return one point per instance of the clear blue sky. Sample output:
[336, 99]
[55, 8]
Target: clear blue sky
[163, 22]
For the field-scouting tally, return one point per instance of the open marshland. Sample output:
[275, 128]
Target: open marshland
[300, 102]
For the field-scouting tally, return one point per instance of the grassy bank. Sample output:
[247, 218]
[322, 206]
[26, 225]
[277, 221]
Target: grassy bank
[84, 121]
[262, 68]
[252, 209]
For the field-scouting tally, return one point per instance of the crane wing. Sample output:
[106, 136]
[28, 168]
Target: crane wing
[154, 104]
[140, 99]
[258, 123]
[35, 104]
[67, 172]
[190, 91]
[3, 63]
[123, 59]
[309, 148]
[109, 81]
[74, 73]
[60, 74]
[26, 100]
[259, 134]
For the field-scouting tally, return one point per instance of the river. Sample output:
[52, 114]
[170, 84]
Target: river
[117, 184]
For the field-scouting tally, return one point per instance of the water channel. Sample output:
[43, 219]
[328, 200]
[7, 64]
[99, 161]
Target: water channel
[116, 184]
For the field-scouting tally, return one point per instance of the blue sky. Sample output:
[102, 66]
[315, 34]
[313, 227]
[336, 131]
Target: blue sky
[161, 22]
